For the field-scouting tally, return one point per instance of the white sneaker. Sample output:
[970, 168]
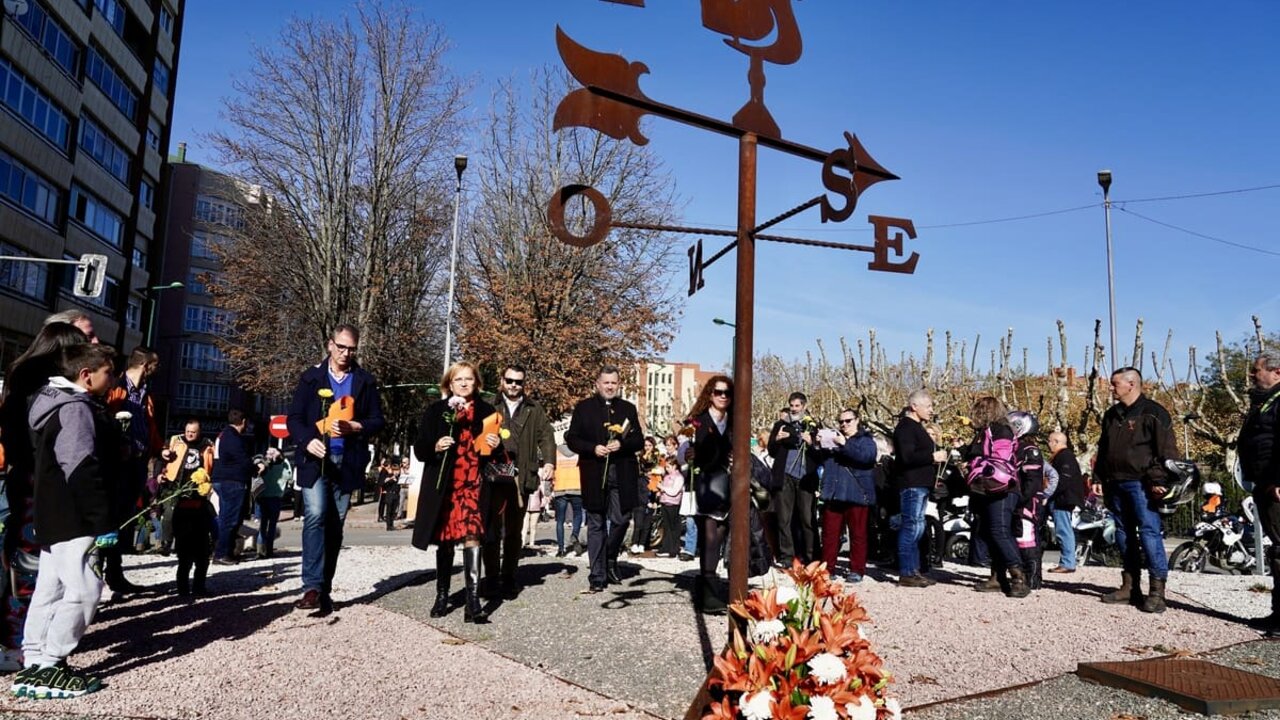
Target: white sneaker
[636, 549]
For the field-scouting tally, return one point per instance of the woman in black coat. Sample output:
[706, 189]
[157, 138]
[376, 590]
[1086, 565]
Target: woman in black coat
[708, 454]
[453, 496]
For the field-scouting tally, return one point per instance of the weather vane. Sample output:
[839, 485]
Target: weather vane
[610, 101]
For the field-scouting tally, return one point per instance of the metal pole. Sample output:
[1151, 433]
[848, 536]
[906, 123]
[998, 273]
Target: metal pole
[740, 497]
[1111, 280]
[151, 317]
[453, 269]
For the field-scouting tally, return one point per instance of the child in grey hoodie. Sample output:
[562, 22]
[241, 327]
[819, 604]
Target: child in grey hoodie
[78, 450]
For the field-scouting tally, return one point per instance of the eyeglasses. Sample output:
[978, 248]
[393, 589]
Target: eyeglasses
[845, 421]
[344, 348]
[722, 393]
[513, 381]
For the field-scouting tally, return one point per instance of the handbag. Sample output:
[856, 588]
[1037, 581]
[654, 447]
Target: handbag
[500, 470]
[712, 489]
[688, 504]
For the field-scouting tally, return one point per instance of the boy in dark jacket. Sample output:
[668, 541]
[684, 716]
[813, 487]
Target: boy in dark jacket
[78, 451]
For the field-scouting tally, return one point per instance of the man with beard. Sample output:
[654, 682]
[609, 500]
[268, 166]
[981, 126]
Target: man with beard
[525, 459]
[605, 432]
[1258, 460]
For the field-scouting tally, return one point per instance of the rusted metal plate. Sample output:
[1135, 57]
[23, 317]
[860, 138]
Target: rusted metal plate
[1196, 685]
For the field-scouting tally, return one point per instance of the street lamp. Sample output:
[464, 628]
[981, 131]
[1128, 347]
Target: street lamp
[151, 293]
[1104, 180]
[734, 355]
[459, 164]
[1186, 437]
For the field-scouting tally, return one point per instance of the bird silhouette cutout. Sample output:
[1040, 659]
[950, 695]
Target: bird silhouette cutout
[753, 21]
[583, 108]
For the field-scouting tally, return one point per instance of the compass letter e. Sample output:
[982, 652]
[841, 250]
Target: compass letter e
[884, 244]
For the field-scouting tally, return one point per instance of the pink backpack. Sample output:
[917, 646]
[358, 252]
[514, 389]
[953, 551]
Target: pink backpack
[995, 471]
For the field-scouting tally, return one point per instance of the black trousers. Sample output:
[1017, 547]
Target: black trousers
[605, 533]
[795, 508]
[193, 543]
[671, 530]
[1269, 519]
[502, 553]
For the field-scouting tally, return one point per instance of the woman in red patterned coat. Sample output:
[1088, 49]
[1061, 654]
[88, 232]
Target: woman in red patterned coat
[453, 497]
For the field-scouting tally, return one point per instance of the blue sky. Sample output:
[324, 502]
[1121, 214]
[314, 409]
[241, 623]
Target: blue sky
[986, 110]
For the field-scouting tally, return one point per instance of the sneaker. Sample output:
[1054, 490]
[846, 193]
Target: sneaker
[57, 682]
[685, 555]
[22, 680]
[637, 549]
[853, 577]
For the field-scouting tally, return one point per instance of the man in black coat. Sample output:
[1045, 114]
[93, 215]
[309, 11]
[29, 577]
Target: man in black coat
[1066, 498]
[793, 497]
[605, 432]
[1258, 466]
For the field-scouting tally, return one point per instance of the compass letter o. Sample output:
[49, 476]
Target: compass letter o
[603, 216]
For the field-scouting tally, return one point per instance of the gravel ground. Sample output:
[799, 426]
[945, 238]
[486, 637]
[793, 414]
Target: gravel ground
[635, 651]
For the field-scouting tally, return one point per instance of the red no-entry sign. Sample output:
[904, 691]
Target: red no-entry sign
[279, 426]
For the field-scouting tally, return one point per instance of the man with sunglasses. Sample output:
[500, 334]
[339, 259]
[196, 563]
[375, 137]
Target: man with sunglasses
[530, 444]
[330, 465]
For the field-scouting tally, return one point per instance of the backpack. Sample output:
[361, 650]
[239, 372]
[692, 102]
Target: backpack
[995, 471]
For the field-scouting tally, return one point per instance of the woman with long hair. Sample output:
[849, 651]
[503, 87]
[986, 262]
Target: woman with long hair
[453, 498]
[992, 459]
[26, 375]
[710, 446]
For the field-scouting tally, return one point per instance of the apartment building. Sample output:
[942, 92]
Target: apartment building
[86, 90]
[664, 392]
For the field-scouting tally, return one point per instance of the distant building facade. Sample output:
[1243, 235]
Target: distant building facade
[86, 91]
[664, 392]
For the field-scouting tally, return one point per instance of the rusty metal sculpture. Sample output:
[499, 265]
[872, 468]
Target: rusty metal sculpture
[610, 101]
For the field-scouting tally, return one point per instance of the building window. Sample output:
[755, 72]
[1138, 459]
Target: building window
[166, 20]
[139, 258]
[219, 212]
[198, 282]
[203, 396]
[33, 106]
[147, 194]
[204, 245]
[28, 191]
[111, 83]
[205, 357]
[104, 150]
[160, 77]
[113, 12]
[204, 319]
[30, 279]
[153, 134]
[94, 214]
[133, 314]
[51, 36]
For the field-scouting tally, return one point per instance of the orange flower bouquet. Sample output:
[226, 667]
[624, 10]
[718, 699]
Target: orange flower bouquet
[803, 657]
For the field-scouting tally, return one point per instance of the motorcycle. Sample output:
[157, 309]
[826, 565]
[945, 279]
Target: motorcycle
[957, 528]
[1095, 528]
[1219, 539]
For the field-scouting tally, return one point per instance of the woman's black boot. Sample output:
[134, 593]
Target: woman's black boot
[444, 569]
[473, 611]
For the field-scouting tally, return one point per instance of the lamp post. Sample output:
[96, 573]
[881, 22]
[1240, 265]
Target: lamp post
[151, 293]
[460, 165]
[1186, 437]
[733, 358]
[1104, 180]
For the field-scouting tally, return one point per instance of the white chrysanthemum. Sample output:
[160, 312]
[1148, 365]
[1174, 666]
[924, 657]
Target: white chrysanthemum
[758, 706]
[766, 631]
[826, 668]
[894, 708]
[864, 709]
[822, 707]
[786, 594]
[858, 630]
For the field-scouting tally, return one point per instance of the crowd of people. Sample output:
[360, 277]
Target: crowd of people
[83, 454]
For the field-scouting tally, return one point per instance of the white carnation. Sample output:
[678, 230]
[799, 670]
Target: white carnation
[766, 631]
[786, 594]
[822, 707]
[826, 668]
[758, 706]
[864, 709]
[894, 708]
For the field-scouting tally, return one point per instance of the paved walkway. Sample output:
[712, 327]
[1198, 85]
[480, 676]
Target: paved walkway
[635, 651]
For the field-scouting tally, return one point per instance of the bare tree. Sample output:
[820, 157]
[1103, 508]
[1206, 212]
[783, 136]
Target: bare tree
[525, 296]
[347, 127]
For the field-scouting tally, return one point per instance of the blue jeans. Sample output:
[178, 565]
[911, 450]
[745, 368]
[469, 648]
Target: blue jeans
[997, 525]
[268, 518]
[1066, 537]
[230, 507]
[690, 535]
[565, 503]
[1136, 518]
[913, 504]
[324, 511]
